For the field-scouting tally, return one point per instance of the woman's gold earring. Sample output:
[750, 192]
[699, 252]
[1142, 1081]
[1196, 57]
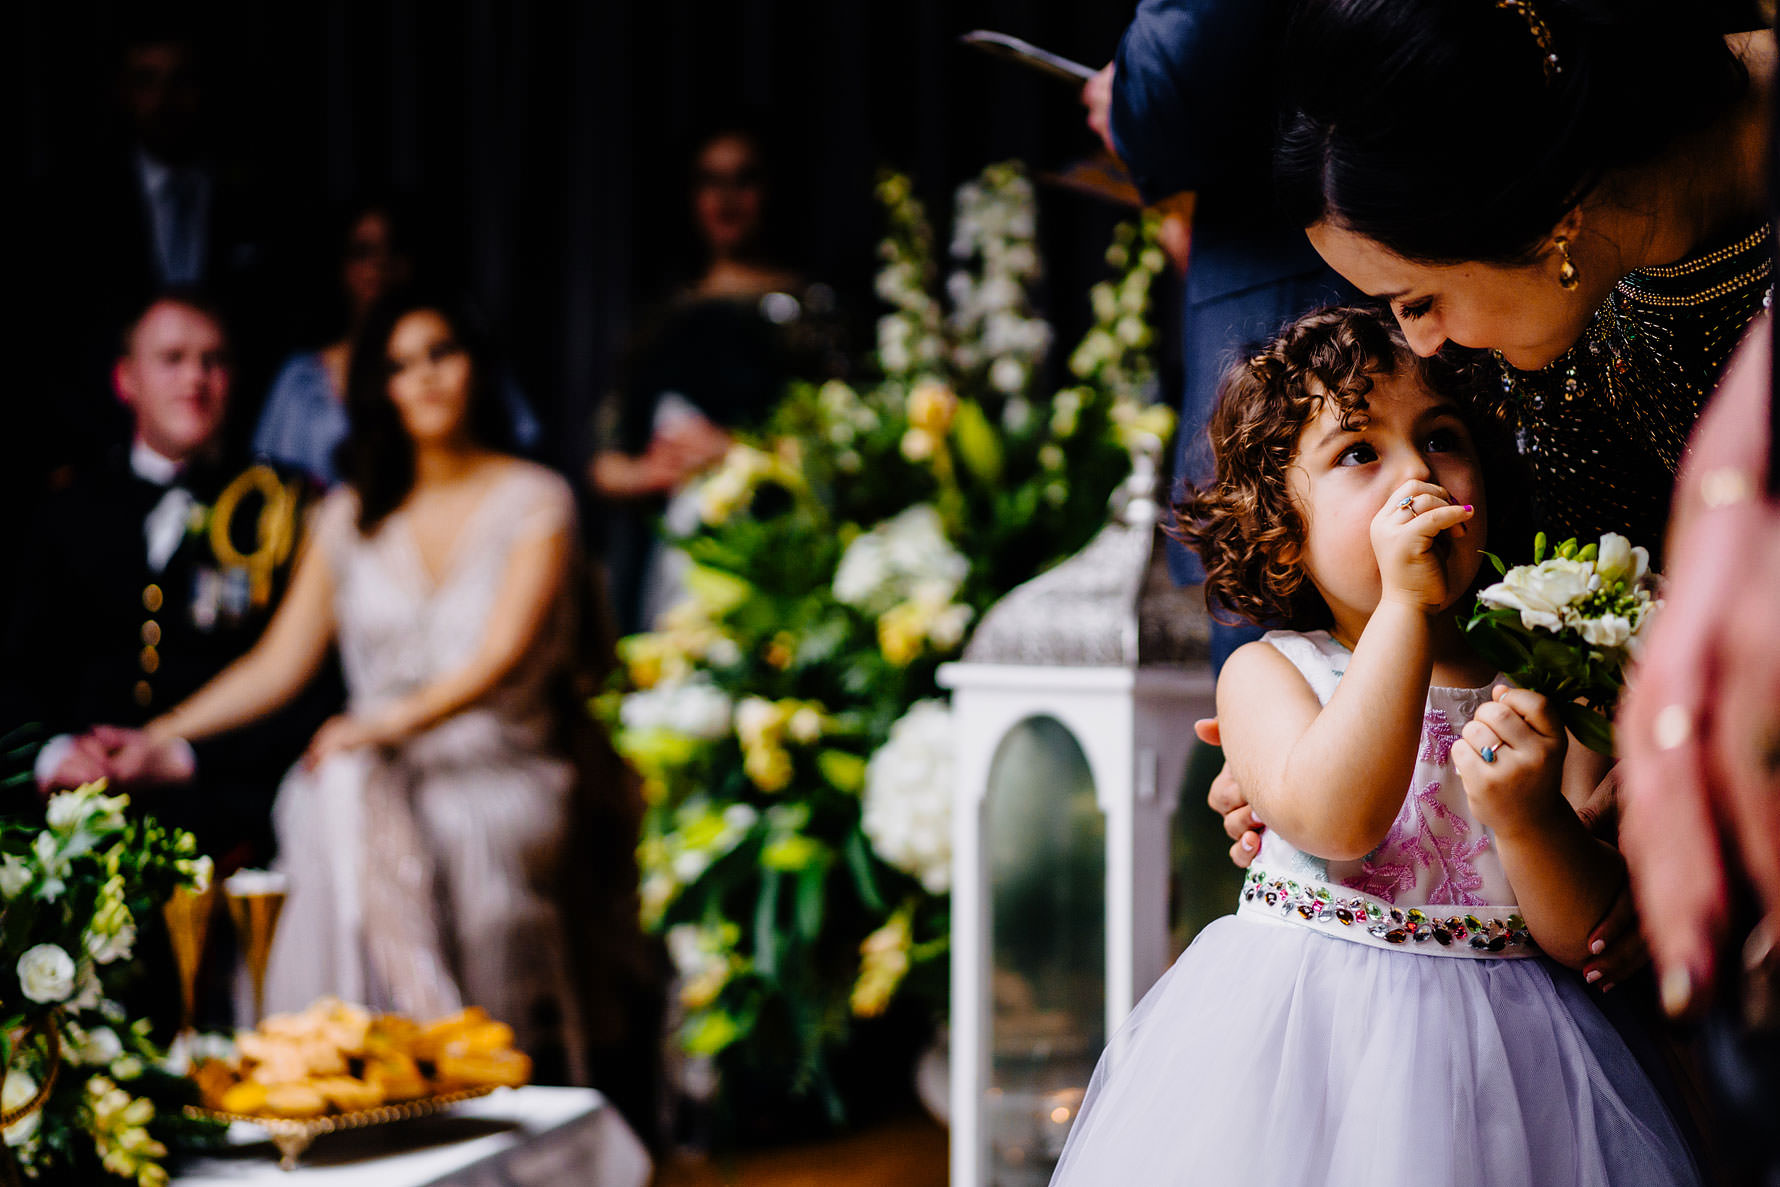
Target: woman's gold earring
[1567, 276]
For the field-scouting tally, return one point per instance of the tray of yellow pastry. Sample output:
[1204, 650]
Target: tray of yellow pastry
[337, 1066]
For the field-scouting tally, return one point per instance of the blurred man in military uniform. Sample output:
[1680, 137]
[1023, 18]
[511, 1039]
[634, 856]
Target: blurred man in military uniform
[146, 576]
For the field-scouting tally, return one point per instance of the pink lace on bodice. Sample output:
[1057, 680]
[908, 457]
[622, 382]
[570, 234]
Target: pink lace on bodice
[1427, 835]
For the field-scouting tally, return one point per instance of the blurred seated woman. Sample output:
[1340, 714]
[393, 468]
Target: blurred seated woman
[423, 830]
[375, 248]
[714, 357]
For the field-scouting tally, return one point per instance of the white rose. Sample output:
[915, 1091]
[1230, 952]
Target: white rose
[1559, 582]
[18, 1089]
[46, 974]
[1535, 611]
[1541, 592]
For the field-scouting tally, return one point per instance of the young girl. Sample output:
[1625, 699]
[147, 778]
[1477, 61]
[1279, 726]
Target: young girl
[1376, 1012]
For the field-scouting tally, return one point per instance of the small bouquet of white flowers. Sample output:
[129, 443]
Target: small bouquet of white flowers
[1567, 626]
[88, 1092]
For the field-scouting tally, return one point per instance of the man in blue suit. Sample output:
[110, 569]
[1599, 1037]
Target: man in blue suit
[1188, 104]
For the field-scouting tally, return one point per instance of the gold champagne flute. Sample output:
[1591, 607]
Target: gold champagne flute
[256, 897]
[188, 915]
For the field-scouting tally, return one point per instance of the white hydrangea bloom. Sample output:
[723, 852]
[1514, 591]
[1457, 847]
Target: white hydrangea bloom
[907, 809]
[694, 707]
[907, 552]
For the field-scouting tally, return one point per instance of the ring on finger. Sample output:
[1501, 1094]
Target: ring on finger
[1406, 503]
[1488, 754]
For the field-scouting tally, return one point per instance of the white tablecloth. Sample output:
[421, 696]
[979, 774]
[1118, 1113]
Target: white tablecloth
[531, 1137]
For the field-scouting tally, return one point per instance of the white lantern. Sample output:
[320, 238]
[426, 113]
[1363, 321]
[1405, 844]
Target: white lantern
[1089, 677]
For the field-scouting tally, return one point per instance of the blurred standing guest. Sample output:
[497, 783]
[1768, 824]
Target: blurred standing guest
[1188, 105]
[148, 575]
[715, 358]
[424, 830]
[153, 208]
[304, 418]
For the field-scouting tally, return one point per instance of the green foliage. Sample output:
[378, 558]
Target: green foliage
[842, 555]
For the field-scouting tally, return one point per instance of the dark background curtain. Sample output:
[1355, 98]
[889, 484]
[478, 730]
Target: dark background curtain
[549, 141]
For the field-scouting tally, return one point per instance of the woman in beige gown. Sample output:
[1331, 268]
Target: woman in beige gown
[423, 832]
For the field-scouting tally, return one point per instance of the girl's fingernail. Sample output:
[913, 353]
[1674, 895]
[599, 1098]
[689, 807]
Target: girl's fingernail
[1592, 976]
[1677, 991]
[1467, 506]
[1248, 846]
[1608, 987]
[1598, 947]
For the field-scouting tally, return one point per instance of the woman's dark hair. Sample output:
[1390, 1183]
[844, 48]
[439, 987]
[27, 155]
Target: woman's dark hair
[1434, 127]
[1243, 523]
[377, 456]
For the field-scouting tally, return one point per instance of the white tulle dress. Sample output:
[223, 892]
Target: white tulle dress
[1385, 1021]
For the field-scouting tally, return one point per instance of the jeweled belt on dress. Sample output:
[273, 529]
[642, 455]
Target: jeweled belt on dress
[1430, 930]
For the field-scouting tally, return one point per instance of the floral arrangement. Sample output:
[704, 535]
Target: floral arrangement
[73, 892]
[795, 762]
[1566, 626]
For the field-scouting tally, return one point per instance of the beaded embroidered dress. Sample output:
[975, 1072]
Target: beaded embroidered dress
[1602, 428]
[1379, 1021]
[423, 876]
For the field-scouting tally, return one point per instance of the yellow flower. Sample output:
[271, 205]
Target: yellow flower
[781, 650]
[884, 963]
[768, 766]
[932, 405]
[902, 630]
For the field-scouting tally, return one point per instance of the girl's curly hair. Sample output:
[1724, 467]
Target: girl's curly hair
[1243, 524]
